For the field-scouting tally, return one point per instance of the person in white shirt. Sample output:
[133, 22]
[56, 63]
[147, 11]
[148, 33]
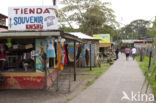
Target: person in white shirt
[134, 52]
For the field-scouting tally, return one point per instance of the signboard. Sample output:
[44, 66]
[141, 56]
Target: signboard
[33, 18]
[104, 38]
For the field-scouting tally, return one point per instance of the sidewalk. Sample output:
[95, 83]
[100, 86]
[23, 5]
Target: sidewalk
[122, 76]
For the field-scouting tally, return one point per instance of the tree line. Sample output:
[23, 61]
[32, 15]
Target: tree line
[91, 17]
[94, 16]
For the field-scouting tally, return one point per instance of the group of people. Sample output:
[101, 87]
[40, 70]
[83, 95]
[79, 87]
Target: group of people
[127, 51]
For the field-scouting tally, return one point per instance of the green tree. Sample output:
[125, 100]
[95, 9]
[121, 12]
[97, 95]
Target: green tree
[140, 27]
[68, 29]
[91, 16]
[136, 29]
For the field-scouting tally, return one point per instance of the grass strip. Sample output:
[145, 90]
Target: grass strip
[144, 66]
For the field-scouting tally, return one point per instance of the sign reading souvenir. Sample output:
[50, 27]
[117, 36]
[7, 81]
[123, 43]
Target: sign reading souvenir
[104, 38]
[33, 18]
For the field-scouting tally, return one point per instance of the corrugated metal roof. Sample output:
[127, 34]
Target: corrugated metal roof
[36, 34]
[128, 41]
[81, 35]
[28, 34]
[2, 15]
[3, 29]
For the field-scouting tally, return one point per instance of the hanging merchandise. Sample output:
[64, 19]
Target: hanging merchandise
[2, 54]
[50, 49]
[15, 46]
[71, 52]
[65, 54]
[87, 57]
[66, 51]
[9, 44]
[82, 54]
[79, 52]
[60, 57]
[28, 46]
[25, 56]
[41, 49]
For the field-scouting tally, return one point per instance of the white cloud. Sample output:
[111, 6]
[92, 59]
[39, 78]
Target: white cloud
[125, 10]
[129, 10]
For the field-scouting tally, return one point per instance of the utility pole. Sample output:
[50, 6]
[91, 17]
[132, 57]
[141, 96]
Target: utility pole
[54, 2]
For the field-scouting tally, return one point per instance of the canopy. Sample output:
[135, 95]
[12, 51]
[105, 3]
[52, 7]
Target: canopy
[81, 35]
[128, 41]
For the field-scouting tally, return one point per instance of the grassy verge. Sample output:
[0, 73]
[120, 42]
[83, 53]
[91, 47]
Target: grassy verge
[144, 66]
[95, 73]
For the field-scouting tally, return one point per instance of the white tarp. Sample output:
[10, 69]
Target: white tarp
[81, 35]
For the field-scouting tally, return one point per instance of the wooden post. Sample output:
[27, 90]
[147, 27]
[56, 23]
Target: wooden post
[74, 60]
[141, 55]
[150, 57]
[90, 57]
[44, 63]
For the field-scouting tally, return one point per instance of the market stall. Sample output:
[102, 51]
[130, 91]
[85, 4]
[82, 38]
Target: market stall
[86, 51]
[105, 45]
[31, 51]
[25, 62]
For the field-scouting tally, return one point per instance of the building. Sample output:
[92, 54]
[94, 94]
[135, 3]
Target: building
[32, 50]
[3, 19]
[3, 26]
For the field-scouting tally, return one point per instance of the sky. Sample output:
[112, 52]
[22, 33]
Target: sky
[129, 10]
[125, 10]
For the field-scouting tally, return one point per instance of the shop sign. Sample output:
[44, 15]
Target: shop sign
[33, 18]
[104, 38]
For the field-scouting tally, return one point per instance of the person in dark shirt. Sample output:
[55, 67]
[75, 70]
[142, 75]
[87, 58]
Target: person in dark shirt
[117, 53]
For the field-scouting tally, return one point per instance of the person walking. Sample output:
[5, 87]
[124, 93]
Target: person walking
[133, 52]
[117, 53]
[127, 52]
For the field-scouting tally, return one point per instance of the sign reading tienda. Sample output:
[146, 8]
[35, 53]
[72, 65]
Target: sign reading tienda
[33, 18]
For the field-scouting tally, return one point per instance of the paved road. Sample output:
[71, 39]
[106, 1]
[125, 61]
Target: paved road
[123, 76]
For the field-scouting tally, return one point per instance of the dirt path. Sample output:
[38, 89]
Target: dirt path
[49, 96]
[122, 77]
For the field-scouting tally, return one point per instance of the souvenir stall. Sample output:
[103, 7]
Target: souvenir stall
[28, 60]
[86, 51]
[31, 52]
[104, 45]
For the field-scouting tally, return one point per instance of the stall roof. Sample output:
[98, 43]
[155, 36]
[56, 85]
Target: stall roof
[37, 34]
[6, 34]
[81, 35]
[3, 29]
[128, 41]
[140, 41]
[2, 15]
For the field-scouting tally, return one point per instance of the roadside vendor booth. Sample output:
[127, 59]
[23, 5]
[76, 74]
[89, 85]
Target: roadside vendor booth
[31, 51]
[86, 51]
[24, 59]
[104, 44]
[104, 41]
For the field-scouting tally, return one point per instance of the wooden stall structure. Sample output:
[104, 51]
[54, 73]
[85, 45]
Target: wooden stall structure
[87, 50]
[31, 51]
[24, 63]
[104, 45]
